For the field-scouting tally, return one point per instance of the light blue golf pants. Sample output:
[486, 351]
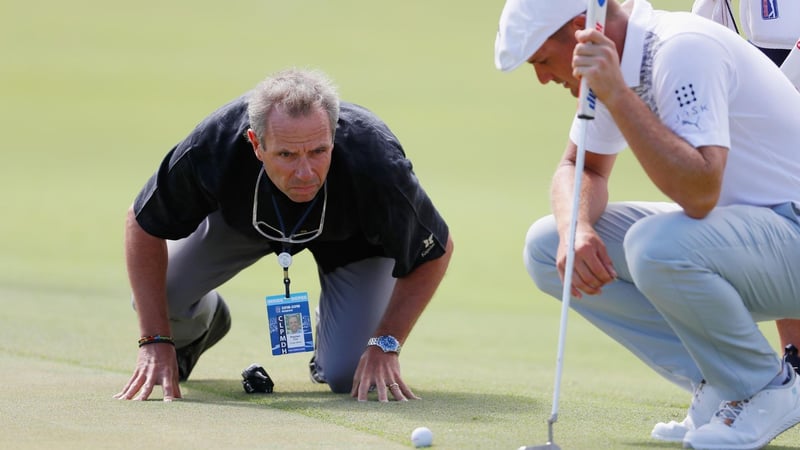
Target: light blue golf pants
[689, 292]
[352, 300]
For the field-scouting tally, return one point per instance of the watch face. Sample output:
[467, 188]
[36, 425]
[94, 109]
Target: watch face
[388, 343]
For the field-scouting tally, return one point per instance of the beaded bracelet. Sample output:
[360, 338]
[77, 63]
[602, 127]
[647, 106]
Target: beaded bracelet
[157, 339]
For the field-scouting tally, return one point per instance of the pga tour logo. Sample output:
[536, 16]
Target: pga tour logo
[769, 9]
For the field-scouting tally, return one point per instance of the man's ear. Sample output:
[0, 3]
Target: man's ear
[251, 136]
[579, 22]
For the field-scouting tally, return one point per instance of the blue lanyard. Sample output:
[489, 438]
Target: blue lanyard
[287, 246]
[299, 222]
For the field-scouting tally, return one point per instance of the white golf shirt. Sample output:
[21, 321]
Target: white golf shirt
[711, 87]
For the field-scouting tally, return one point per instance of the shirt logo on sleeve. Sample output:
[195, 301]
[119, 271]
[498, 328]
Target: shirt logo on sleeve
[690, 109]
[769, 9]
[427, 245]
[685, 95]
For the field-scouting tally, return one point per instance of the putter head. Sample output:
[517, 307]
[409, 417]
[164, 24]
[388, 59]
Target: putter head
[548, 446]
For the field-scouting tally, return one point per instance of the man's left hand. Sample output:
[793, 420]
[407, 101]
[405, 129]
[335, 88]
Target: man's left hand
[381, 371]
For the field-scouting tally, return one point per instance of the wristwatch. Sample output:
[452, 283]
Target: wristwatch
[387, 343]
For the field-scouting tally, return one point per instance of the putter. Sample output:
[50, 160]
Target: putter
[595, 18]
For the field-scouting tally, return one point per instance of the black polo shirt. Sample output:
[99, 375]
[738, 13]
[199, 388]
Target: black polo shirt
[375, 205]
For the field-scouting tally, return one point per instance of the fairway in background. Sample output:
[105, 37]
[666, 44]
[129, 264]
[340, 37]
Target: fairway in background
[94, 94]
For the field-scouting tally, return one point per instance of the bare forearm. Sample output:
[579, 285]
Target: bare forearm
[593, 198]
[412, 294]
[146, 260]
[689, 176]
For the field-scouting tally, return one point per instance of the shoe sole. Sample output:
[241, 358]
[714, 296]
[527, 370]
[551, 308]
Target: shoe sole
[313, 375]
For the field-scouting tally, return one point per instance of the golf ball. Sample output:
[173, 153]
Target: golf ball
[422, 437]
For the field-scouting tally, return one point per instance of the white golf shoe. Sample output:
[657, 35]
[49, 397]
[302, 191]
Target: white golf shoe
[705, 402]
[751, 423]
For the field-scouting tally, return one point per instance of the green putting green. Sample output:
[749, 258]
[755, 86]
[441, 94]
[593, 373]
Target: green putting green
[93, 94]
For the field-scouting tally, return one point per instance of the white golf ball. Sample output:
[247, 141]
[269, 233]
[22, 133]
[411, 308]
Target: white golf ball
[422, 437]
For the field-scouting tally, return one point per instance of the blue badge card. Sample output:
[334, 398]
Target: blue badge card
[289, 324]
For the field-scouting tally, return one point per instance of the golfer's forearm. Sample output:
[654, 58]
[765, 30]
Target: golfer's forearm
[146, 260]
[593, 200]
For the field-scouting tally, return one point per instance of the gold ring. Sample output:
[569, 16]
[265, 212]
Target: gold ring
[392, 386]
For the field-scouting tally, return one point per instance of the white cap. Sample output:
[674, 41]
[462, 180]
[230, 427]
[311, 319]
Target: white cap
[526, 24]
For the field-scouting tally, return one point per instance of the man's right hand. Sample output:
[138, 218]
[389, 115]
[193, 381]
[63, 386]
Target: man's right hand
[593, 267]
[156, 365]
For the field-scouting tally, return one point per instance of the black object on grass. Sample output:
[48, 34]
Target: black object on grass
[256, 379]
